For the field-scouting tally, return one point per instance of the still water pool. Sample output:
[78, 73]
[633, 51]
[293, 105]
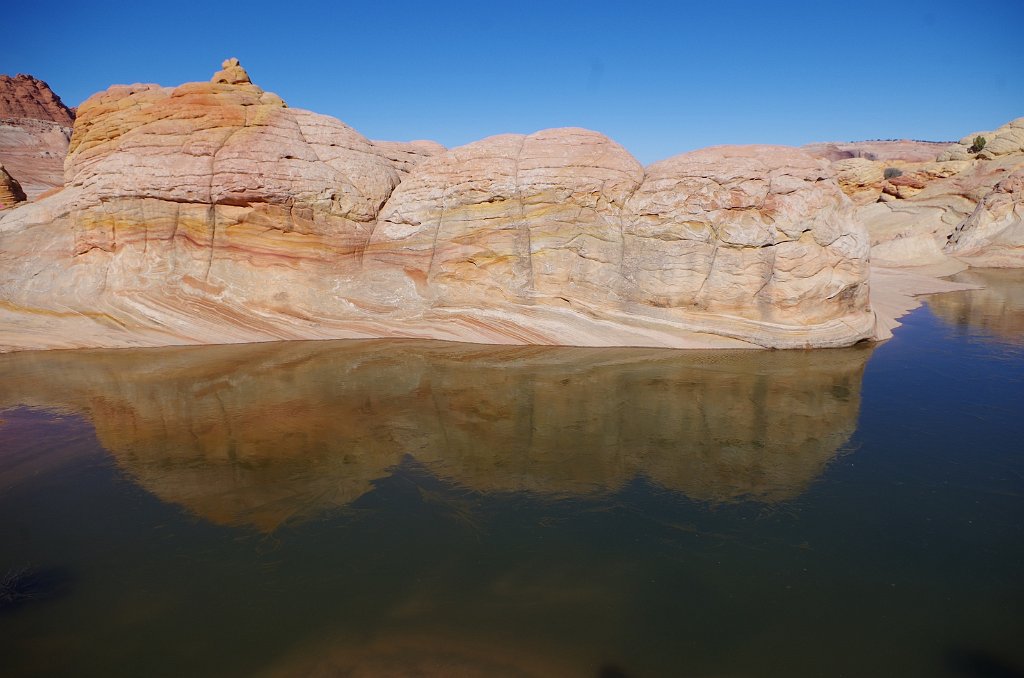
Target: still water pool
[387, 508]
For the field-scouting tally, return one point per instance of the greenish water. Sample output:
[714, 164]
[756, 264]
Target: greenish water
[414, 508]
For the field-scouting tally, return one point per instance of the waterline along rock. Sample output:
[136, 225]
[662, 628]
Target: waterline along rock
[214, 213]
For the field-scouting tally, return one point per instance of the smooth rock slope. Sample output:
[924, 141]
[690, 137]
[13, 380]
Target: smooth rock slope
[214, 213]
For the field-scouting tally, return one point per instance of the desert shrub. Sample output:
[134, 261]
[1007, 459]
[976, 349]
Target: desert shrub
[979, 143]
[892, 173]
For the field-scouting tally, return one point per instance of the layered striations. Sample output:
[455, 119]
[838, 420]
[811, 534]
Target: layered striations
[918, 200]
[1007, 140]
[11, 193]
[26, 97]
[35, 127]
[755, 232]
[752, 244]
[993, 235]
[213, 213]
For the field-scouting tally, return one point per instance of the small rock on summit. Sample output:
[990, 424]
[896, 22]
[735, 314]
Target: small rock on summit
[231, 73]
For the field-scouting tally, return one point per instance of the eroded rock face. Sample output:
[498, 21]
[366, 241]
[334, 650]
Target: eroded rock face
[758, 232]
[519, 219]
[912, 225]
[35, 127]
[993, 235]
[722, 241]
[912, 196]
[224, 145]
[34, 151]
[404, 155]
[26, 97]
[11, 193]
[1007, 140]
[213, 213]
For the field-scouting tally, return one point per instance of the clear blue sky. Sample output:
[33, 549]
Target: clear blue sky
[659, 77]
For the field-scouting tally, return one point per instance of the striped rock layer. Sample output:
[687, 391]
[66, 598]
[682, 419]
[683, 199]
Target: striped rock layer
[214, 213]
[11, 193]
[35, 127]
[938, 205]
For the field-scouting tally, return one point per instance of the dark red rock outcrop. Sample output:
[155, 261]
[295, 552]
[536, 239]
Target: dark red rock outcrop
[24, 96]
[35, 127]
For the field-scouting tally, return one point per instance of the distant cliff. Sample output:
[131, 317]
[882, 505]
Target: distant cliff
[35, 128]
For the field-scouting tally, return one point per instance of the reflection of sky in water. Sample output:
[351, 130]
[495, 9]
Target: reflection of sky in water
[385, 509]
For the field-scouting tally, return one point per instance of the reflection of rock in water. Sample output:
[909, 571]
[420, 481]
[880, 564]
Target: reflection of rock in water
[997, 309]
[22, 585]
[425, 655]
[263, 433]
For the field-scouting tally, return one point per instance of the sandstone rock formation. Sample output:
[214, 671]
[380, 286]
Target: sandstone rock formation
[756, 232]
[211, 212]
[35, 127]
[520, 219]
[724, 241]
[267, 433]
[26, 97]
[34, 151]
[1007, 140]
[11, 193]
[993, 235]
[231, 73]
[404, 155]
[912, 204]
